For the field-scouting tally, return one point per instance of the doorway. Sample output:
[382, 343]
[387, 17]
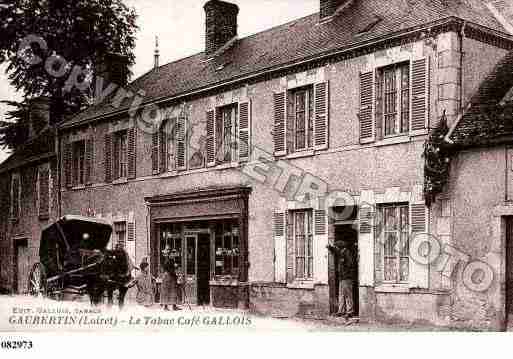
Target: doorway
[347, 233]
[22, 266]
[203, 274]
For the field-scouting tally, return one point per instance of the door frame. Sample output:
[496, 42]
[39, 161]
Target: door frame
[20, 241]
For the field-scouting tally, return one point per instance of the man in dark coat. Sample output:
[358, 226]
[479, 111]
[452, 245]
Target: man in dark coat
[345, 261]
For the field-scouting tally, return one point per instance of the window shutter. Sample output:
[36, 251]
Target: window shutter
[378, 117]
[419, 102]
[108, 158]
[280, 248]
[365, 248]
[67, 158]
[219, 139]
[290, 125]
[131, 240]
[115, 157]
[132, 153]
[320, 222]
[244, 145]
[289, 232]
[419, 273]
[181, 143]
[279, 124]
[321, 129]
[89, 160]
[366, 107]
[155, 151]
[378, 247]
[211, 138]
[162, 148]
[44, 193]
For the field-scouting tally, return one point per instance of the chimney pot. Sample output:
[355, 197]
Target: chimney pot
[221, 24]
[330, 7]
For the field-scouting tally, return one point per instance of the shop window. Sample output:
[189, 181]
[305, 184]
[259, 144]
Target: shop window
[394, 224]
[79, 163]
[303, 243]
[120, 233]
[190, 243]
[227, 250]
[393, 98]
[170, 245]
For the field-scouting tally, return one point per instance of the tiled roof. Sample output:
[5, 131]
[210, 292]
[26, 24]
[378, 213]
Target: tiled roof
[41, 146]
[298, 40]
[485, 114]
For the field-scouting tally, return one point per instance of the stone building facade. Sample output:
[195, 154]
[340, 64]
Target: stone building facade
[247, 160]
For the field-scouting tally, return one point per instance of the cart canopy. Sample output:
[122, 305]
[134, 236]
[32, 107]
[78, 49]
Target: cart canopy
[75, 232]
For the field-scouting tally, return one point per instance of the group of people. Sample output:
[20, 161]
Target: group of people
[172, 286]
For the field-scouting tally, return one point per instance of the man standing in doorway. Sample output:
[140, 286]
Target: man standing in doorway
[345, 262]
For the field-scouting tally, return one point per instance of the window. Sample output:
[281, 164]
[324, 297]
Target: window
[393, 98]
[78, 163]
[227, 249]
[227, 131]
[15, 196]
[170, 244]
[394, 224]
[121, 154]
[120, 231]
[43, 180]
[303, 244]
[300, 127]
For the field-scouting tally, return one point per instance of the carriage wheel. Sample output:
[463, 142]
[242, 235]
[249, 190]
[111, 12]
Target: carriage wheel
[37, 281]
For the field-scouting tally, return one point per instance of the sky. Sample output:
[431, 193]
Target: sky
[180, 26]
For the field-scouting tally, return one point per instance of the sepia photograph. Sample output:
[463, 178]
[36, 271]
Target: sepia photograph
[244, 166]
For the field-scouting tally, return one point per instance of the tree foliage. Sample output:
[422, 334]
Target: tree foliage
[78, 31]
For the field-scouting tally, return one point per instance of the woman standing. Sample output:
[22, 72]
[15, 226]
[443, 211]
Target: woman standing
[169, 287]
[145, 287]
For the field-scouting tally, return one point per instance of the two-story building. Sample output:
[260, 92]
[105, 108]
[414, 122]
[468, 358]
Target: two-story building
[245, 161]
[29, 200]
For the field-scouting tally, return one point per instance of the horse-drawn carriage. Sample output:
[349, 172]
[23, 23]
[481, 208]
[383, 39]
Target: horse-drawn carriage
[74, 259]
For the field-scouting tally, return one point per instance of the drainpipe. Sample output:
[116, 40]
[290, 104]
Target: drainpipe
[59, 174]
[462, 54]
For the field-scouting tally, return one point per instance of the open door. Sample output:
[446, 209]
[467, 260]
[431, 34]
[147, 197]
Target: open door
[203, 274]
[509, 271]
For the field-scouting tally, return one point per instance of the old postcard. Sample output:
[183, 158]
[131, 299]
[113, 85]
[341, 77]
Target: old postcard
[251, 166]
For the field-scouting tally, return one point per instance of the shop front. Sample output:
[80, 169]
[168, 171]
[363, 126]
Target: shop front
[205, 233]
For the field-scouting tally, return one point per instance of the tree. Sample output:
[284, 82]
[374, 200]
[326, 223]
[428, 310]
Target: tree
[78, 31]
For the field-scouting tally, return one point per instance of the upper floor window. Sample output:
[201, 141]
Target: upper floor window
[393, 98]
[43, 192]
[227, 131]
[301, 119]
[169, 146]
[301, 108]
[79, 150]
[120, 154]
[394, 242]
[15, 196]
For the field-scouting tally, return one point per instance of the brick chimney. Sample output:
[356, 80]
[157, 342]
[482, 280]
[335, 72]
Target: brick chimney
[39, 113]
[330, 7]
[221, 24]
[114, 69]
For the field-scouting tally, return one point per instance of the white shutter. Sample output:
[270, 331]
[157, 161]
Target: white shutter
[320, 241]
[419, 272]
[279, 132]
[211, 138]
[366, 248]
[280, 248]
[420, 94]
[321, 124]
[244, 140]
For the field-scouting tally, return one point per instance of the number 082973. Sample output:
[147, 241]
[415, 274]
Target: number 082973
[16, 344]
